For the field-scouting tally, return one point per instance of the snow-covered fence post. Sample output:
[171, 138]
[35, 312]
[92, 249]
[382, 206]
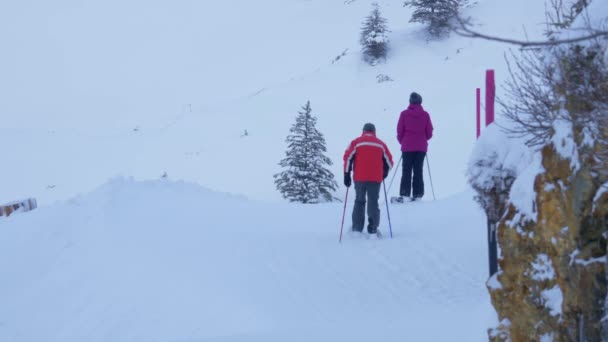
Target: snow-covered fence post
[478, 111]
[491, 222]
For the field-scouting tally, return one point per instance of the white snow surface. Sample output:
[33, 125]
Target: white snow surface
[507, 154]
[172, 261]
[600, 192]
[542, 268]
[548, 337]
[95, 90]
[522, 194]
[563, 141]
[504, 152]
[493, 282]
[553, 299]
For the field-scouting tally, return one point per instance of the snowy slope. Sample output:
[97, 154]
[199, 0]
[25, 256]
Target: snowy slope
[93, 90]
[171, 261]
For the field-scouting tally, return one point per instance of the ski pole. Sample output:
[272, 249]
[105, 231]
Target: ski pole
[430, 178]
[394, 174]
[343, 215]
[390, 227]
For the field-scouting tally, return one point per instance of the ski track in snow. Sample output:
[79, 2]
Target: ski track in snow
[164, 261]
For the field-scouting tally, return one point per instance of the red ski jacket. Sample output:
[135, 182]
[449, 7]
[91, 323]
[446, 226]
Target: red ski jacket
[370, 156]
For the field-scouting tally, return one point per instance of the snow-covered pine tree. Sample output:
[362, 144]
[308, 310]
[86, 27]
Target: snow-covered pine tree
[374, 40]
[306, 178]
[437, 14]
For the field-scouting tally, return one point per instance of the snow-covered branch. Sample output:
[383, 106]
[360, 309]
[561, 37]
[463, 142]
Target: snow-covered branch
[463, 28]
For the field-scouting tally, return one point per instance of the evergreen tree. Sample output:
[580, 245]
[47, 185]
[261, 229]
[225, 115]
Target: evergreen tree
[374, 38]
[306, 178]
[437, 14]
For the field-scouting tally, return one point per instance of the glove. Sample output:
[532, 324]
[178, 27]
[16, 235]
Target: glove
[347, 180]
[385, 169]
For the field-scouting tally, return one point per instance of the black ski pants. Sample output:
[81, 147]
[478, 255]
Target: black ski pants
[413, 163]
[371, 190]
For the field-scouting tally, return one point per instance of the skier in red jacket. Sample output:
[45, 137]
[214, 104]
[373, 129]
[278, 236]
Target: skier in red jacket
[371, 161]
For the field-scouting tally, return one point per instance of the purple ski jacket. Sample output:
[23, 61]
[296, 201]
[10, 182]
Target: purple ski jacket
[414, 129]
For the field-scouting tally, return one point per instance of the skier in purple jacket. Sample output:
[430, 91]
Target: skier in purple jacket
[413, 132]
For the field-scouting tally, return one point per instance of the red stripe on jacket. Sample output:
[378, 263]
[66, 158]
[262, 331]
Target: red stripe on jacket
[367, 154]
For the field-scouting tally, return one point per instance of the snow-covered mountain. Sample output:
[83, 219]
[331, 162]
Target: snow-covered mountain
[94, 90]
